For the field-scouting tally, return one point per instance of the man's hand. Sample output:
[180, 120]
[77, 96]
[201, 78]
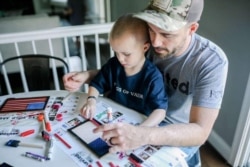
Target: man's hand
[123, 136]
[73, 81]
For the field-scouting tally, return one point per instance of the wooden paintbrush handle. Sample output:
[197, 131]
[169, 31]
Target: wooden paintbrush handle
[30, 145]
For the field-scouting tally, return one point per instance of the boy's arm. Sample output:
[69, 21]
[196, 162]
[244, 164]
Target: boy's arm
[93, 92]
[88, 109]
[154, 118]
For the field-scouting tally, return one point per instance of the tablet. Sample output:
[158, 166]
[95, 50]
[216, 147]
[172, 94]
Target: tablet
[93, 141]
[24, 104]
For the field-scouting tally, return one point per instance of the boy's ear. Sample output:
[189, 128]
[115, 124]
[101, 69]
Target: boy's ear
[146, 46]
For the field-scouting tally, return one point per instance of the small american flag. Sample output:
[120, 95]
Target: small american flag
[24, 104]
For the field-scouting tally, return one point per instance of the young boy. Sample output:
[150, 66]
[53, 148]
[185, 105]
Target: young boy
[130, 78]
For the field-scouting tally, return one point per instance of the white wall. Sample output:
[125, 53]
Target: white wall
[119, 7]
[227, 22]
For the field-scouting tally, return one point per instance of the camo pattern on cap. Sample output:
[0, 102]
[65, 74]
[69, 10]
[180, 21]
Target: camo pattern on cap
[161, 20]
[170, 15]
[176, 9]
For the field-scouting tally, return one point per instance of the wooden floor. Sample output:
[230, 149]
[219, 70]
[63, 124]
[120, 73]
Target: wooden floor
[211, 158]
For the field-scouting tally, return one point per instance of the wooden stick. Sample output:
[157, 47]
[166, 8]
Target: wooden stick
[30, 145]
[66, 97]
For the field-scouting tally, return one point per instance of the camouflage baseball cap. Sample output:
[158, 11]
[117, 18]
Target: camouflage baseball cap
[171, 15]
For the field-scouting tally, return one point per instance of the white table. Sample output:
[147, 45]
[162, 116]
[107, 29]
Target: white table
[13, 156]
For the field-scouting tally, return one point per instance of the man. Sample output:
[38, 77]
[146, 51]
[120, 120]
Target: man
[195, 72]
[76, 10]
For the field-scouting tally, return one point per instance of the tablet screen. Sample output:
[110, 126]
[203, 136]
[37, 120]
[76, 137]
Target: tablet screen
[84, 132]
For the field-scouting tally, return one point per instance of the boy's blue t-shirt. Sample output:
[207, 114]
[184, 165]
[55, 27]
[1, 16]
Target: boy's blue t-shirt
[142, 92]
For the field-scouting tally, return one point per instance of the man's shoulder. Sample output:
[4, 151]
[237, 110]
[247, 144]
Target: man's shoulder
[207, 49]
[205, 43]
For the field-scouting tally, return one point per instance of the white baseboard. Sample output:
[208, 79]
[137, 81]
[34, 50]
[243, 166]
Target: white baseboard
[220, 145]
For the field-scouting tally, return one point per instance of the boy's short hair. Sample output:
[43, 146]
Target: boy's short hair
[127, 23]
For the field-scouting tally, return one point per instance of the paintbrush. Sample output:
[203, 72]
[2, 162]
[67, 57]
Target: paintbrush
[66, 97]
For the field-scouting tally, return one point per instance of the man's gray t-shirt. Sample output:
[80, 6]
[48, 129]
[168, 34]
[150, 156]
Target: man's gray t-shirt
[197, 78]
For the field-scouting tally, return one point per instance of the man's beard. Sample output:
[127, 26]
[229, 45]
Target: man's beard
[175, 52]
[168, 53]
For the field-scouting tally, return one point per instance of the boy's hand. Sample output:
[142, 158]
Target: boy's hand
[88, 109]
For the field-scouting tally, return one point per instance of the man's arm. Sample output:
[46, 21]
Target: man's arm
[127, 137]
[193, 133]
[90, 75]
[74, 80]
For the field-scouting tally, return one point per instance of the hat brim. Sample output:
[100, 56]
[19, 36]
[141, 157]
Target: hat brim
[160, 20]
